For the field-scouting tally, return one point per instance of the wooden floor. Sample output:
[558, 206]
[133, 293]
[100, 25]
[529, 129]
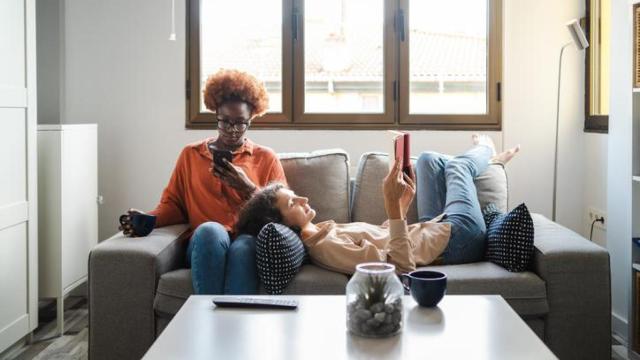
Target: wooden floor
[618, 349]
[46, 345]
[74, 344]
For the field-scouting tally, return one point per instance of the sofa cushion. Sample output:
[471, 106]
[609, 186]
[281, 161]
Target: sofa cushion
[173, 290]
[509, 237]
[323, 177]
[524, 291]
[537, 325]
[367, 203]
[175, 287]
[492, 187]
[314, 280]
[279, 256]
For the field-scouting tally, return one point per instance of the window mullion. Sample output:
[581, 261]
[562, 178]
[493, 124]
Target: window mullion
[298, 60]
[287, 60]
[402, 104]
[334, 55]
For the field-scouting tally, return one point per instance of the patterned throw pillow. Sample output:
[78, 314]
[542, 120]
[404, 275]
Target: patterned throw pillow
[279, 255]
[509, 237]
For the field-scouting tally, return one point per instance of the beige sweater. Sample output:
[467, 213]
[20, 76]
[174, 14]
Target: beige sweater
[340, 247]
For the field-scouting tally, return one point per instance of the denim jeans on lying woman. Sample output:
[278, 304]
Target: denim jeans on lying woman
[445, 185]
[220, 265]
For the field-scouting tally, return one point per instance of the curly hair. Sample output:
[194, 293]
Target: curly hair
[234, 85]
[260, 210]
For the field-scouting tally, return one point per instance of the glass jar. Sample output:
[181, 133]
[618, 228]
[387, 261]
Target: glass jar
[374, 301]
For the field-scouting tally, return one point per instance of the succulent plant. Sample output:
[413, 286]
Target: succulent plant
[373, 290]
[375, 312]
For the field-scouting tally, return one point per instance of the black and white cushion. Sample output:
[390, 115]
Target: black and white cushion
[279, 255]
[509, 237]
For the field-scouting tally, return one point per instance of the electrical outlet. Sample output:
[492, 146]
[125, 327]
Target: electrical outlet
[593, 213]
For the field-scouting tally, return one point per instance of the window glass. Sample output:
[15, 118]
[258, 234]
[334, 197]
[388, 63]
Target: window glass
[244, 35]
[447, 57]
[343, 56]
[598, 50]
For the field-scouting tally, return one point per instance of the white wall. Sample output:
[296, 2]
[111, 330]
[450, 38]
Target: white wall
[619, 163]
[530, 73]
[595, 183]
[49, 62]
[122, 73]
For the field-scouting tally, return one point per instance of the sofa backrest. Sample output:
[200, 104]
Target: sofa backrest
[368, 203]
[323, 177]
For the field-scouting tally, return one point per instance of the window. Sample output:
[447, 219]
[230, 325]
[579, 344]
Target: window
[354, 64]
[255, 41]
[597, 66]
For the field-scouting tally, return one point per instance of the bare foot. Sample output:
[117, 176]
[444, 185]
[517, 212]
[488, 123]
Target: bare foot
[484, 140]
[504, 157]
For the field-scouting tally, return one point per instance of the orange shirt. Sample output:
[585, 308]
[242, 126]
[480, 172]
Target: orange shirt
[195, 196]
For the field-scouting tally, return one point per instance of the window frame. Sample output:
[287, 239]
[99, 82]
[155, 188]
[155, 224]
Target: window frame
[592, 123]
[196, 119]
[396, 91]
[490, 121]
[387, 117]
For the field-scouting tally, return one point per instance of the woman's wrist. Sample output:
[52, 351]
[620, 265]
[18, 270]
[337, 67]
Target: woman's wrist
[405, 211]
[394, 211]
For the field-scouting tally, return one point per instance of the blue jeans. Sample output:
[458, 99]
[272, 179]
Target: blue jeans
[220, 265]
[445, 185]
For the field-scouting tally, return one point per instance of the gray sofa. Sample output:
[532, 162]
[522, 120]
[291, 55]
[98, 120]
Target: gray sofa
[137, 285]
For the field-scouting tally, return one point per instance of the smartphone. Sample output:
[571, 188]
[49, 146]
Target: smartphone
[220, 155]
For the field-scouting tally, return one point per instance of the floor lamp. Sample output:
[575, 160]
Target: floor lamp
[581, 43]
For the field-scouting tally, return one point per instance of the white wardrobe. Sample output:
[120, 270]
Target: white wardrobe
[18, 172]
[67, 208]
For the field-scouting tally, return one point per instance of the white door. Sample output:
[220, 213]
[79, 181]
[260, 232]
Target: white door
[18, 222]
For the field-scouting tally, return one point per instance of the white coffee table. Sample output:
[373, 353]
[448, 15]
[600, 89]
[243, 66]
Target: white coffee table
[461, 327]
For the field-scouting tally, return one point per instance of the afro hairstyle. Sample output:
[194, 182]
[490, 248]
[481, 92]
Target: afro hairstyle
[234, 85]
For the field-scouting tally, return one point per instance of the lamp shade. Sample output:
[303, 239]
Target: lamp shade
[579, 38]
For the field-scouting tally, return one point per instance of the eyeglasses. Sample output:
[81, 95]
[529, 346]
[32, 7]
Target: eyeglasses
[225, 124]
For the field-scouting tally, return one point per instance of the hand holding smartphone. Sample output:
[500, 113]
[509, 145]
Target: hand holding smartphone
[230, 174]
[219, 156]
[401, 150]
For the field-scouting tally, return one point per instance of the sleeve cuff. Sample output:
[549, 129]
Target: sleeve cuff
[398, 229]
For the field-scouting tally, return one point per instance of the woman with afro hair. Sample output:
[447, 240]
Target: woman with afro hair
[209, 196]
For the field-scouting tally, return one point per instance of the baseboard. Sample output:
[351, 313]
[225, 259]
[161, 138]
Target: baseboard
[620, 326]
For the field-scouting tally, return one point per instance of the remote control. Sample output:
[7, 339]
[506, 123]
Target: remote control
[257, 303]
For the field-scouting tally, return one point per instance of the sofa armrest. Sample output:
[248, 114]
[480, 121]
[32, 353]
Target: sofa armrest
[123, 276]
[577, 275]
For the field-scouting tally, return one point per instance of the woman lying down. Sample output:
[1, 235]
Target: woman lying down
[451, 228]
